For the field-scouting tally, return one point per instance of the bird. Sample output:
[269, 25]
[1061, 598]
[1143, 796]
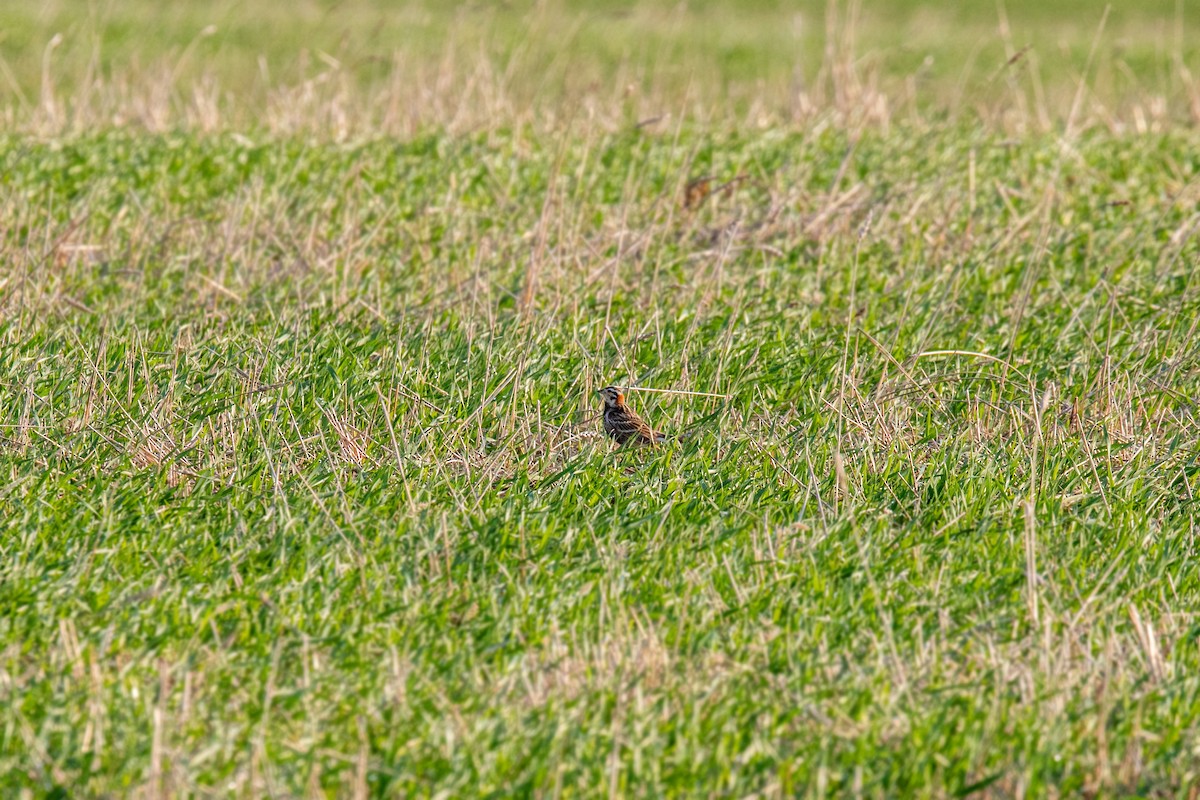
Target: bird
[623, 424]
[696, 192]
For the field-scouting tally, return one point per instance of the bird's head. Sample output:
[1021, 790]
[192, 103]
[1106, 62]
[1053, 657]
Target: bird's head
[613, 397]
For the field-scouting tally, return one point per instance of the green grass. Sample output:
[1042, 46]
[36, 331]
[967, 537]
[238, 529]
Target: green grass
[306, 493]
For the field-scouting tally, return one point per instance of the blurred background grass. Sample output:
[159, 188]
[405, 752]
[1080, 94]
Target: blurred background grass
[229, 64]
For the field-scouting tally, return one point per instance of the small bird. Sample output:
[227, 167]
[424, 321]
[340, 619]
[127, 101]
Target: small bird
[622, 423]
[700, 189]
[696, 192]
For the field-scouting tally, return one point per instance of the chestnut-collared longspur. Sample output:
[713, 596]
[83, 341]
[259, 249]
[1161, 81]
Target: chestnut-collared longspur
[622, 423]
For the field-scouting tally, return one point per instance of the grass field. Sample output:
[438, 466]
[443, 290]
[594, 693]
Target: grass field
[302, 320]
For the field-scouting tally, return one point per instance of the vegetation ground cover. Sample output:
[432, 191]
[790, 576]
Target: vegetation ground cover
[306, 492]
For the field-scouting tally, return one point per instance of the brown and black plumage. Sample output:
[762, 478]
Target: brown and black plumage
[622, 423]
